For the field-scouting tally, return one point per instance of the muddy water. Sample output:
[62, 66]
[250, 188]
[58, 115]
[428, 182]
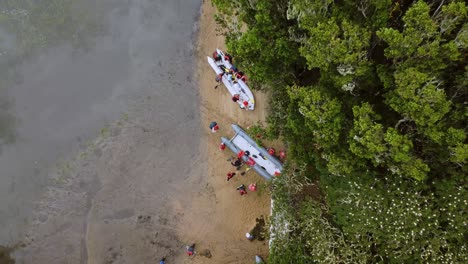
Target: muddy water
[104, 136]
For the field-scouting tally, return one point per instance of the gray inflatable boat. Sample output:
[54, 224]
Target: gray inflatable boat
[263, 163]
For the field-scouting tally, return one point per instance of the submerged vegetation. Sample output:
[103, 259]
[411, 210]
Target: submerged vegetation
[42, 24]
[370, 97]
[31, 27]
[5, 255]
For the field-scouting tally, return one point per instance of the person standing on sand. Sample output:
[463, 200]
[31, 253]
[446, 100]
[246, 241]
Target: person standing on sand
[222, 146]
[237, 163]
[162, 261]
[241, 189]
[230, 175]
[214, 127]
[190, 250]
[219, 79]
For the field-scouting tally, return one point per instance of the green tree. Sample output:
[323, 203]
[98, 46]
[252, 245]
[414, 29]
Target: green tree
[367, 135]
[263, 49]
[321, 113]
[340, 48]
[419, 98]
[373, 103]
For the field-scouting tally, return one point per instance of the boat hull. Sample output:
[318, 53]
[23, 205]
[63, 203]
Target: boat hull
[265, 165]
[233, 86]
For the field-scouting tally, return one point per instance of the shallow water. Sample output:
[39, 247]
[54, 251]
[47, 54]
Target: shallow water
[138, 67]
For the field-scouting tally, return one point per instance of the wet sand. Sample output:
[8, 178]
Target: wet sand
[63, 97]
[112, 200]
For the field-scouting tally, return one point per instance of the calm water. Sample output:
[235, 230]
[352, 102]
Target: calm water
[61, 92]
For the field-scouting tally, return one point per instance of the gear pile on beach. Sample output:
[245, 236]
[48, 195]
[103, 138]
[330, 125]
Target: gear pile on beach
[233, 79]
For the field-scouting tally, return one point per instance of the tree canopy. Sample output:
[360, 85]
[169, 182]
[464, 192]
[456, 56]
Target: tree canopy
[370, 97]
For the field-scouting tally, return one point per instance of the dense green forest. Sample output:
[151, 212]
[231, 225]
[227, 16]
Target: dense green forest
[370, 97]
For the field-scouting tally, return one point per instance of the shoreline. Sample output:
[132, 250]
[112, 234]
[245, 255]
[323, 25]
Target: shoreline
[120, 201]
[220, 217]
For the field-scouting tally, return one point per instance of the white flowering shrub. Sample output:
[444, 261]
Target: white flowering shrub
[399, 221]
[348, 87]
[285, 245]
[368, 220]
[301, 231]
[345, 69]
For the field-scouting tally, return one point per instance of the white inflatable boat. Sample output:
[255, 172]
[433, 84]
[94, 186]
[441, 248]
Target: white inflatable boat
[246, 98]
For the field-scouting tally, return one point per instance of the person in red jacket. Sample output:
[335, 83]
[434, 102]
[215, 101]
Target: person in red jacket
[237, 163]
[241, 189]
[240, 75]
[214, 126]
[216, 56]
[219, 79]
[236, 98]
[228, 57]
[190, 250]
[230, 175]
[250, 162]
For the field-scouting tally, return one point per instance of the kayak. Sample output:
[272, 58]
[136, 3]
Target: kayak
[234, 86]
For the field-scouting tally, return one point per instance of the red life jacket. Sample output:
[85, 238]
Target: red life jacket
[222, 146]
[271, 151]
[228, 58]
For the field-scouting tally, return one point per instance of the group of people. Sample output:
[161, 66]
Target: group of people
[233, 75]
[238, 163]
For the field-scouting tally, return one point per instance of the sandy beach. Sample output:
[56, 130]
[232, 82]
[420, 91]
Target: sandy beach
[220, 217]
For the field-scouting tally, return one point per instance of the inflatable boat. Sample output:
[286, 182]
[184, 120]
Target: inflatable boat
[234, 86]
[255, 156]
